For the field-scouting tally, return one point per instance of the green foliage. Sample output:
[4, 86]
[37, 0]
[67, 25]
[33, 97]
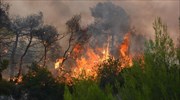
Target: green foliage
[40, 84]
[178, 54]
[162, 49]
[4, 15]
[6, 87]
[108, 74]
[3, 65]
[67, 94]
[149, 83]
[159, 77]
[133, 86]
[87, 90]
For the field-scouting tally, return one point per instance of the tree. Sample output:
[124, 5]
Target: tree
[4, 15]
[5, 32]
[48, 35]
[162, 48]
[5, 42]
[110, 25]
[159, 75]
[76, 36]
[162, 64]
[17, 27]
[32, 23]
[109, 73]
[178, 45]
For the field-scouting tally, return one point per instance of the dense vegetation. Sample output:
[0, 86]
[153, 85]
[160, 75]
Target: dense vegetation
[155, 75]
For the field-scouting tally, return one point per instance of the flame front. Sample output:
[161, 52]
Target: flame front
[86, 65]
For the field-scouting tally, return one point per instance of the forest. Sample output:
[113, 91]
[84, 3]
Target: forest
[106, 60]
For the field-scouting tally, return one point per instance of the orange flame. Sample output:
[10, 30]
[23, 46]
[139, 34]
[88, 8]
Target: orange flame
[57, 63]
[126, 59]
[86, 65]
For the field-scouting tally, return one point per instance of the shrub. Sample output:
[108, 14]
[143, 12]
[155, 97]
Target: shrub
[87, 90]
[39, 84]
[108, 74]
[6, 88]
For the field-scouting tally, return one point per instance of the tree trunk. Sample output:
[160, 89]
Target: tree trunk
[21, 60]
[0, 76]
[12, 62]
[67, 50]
[112, 46]
[112, 42]
[45, 53]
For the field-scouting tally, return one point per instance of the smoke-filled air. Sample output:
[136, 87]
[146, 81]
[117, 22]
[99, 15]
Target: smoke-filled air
[89, 50]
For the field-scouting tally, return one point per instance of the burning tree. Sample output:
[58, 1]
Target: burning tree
[105, 40]
[76, 37]
[126, 59]
[25, 28]
[111, 23]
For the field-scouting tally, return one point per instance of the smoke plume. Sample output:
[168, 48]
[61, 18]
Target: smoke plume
[140, 12]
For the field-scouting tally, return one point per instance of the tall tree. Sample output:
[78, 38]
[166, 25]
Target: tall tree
[5, 34]
[47, 35]
[178, 44]
[17, 27]
[76, 35]
[156, 76]
[4, 15]
[32, 23]
[163, 46]
[4, 28]
[110, 25]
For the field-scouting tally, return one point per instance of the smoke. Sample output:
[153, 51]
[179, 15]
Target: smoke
[111, 23]
[140, 12]
[109, 17]
[143, 14]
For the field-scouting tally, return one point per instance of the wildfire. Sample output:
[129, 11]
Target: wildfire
[105, 52]
[86, 65]
[17, 80]
[76, 51]
[58, 62]
[126, 59]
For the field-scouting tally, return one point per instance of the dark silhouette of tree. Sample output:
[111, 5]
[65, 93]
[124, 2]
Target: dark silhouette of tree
[4, 15]
[76, 35]
[32, 23]
[39, 84]
[17, 27]
[5, 34]
[178, 44]
[110, 25]
[3, 66]
[47, 35]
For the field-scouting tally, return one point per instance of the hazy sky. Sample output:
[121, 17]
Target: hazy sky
[141, 12]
